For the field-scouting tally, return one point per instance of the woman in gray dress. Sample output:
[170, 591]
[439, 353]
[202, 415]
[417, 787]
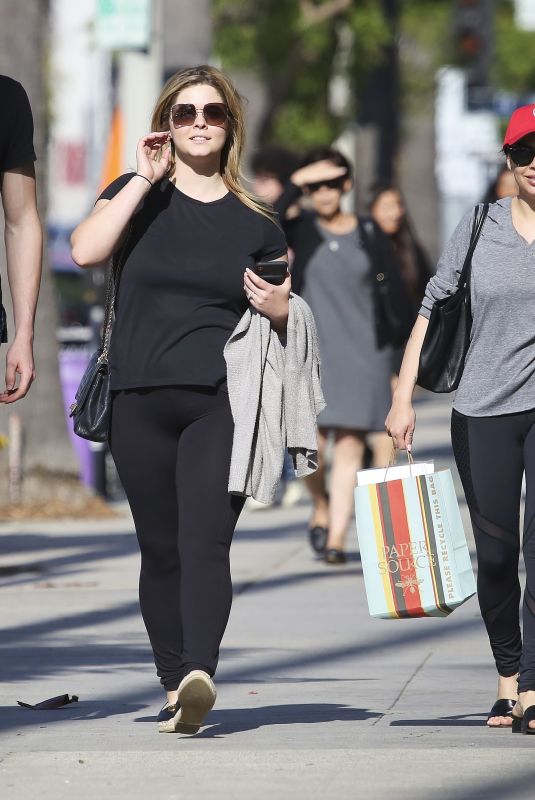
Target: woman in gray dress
[333, 271]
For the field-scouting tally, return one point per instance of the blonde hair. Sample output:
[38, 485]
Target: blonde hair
[234, 144]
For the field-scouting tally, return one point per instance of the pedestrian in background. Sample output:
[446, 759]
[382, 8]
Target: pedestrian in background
[272, 167]
[493, 418]
[23, 235]
[388, 209]
[333, 271]
[503, 185]
[189, 228]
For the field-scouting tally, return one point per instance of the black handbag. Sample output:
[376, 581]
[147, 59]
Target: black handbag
[3, 320]
[91, 410]
[393, 307]
[447, 337]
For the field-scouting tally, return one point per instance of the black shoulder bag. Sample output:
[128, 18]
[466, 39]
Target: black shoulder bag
[393, 308]
[3, 320]
[91, 410]
[447, 337]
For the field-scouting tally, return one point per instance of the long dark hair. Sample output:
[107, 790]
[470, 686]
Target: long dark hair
[413, 260]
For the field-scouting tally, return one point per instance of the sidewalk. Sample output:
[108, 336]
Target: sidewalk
[316, 700]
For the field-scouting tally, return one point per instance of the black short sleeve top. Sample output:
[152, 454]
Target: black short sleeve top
[181, 289]
[16, 126]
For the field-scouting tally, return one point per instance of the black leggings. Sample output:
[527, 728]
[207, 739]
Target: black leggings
[492, 454]
[172, 447]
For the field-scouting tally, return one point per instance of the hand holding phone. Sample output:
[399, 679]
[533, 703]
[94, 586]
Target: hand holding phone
[272, 301]
[273, 272]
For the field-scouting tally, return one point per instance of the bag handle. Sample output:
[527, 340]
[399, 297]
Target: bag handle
[393, 458]
[369, 241]
[115, 269]
[480, 215]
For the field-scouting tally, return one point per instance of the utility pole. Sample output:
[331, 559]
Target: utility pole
[473, 30]
[140, 82]
[379, 102]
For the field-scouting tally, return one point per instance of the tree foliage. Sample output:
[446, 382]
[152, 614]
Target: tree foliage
[514, 63]
[300, 48]
[295, 47]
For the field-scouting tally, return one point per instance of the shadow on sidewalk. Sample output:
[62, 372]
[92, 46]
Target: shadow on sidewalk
[517, 787]
[87, 549]
[298, 578]
[32, 651]
[223, 722]
[16, 718]
[460, 720]
[31, 632]
[295, 529]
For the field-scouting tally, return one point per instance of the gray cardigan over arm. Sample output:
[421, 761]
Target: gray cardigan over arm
[275, 396]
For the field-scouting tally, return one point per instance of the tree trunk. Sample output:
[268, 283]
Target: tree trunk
[24, 28]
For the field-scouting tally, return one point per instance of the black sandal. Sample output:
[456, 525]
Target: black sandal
[335, 556]
[521, 724]
[318, 538]
[502, 708]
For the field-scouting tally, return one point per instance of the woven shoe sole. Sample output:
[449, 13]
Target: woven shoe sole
[196, 696]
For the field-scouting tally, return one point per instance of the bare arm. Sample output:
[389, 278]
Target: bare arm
[24, 250]
[401, 419]
[99, 235]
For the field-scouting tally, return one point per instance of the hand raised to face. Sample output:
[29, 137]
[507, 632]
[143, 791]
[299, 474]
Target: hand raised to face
[149, 164]
[317, 172]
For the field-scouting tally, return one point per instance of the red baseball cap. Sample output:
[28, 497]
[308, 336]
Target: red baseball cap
[521, 123]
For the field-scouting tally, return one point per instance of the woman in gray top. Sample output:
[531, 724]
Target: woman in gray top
[333, 271]
[493, 420]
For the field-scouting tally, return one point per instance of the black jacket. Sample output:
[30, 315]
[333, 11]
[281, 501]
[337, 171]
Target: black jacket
[393, 309]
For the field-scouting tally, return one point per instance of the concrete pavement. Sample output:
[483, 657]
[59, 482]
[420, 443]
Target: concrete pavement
[315, 698]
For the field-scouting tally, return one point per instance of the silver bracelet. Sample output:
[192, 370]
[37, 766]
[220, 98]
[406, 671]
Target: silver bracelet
[144, 178]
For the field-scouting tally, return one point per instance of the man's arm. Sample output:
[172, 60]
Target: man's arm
[24, 247]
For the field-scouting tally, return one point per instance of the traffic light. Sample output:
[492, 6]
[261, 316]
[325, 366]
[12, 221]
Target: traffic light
[473, 35]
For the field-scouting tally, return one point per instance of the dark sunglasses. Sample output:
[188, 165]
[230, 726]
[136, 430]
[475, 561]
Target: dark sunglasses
[333, 183]
[521, 154]
[183, 114]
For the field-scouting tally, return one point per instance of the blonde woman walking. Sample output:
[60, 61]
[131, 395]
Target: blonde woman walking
[194, 232]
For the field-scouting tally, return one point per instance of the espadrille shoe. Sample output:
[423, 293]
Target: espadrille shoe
[166, 717]
[196, 697]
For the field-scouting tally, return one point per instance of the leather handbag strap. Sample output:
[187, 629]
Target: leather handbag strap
[480, 215]
[114, 275]
[369, 240]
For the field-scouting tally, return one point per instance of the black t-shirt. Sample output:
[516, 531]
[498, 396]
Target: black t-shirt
[181, 289]
[16, 126]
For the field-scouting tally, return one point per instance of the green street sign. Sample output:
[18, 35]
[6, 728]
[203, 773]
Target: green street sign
[124, 24]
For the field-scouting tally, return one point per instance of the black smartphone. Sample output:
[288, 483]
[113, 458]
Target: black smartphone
[271, 271]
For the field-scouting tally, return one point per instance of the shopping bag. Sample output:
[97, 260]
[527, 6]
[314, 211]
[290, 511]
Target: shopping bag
[379, 474]
[415, 557]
